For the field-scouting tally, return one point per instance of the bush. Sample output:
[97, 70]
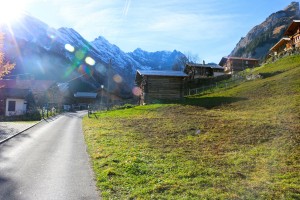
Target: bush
[125, 106]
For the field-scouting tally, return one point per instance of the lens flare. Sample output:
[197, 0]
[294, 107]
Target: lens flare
[101, 69]
[90, 61]
[137, 91]
[69, 48]
[79, 54]
[117, 78]
[83, 69]
[11, 11]
[51, 33]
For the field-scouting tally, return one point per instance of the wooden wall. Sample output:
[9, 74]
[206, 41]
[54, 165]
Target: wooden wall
[162, 87]
[240, 65]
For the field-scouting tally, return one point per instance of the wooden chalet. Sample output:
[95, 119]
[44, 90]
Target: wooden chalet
[83, 99]
[282, 46]
[159, 85]
[290, 41]
[108, 97]
[236, 64]
[293, 32]
[196, 71]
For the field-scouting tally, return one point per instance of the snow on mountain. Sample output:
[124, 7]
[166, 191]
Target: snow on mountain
[160, 60]
[40, 50]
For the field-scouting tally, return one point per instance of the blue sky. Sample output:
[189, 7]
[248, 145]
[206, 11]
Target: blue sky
[209, 29]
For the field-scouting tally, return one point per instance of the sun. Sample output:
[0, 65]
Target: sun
[10, 10]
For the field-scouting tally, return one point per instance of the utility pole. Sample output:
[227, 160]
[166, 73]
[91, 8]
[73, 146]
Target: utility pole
[107, 93]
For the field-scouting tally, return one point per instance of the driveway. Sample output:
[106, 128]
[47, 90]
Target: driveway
[48, 161]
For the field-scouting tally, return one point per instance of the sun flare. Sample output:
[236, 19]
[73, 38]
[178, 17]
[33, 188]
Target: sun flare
[10, 11]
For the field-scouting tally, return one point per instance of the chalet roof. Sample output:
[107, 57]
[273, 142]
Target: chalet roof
[280, 43]
[14, 93]
[88, 95]
[224, 59]
[204, 66]
[34, 85]
[161, 73]
[292, 28]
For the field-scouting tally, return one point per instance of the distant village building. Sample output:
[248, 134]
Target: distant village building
[196, 71]
[108, 98]
[236, 64]
[159, 85]
[290, 41]
[13, 101]
[83, 99]
[15, 94]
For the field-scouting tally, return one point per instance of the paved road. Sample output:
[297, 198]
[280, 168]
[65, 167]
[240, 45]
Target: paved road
[48, 161]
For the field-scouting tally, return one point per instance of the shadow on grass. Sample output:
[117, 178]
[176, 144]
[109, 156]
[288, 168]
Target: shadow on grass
[210, 102]
[267, 75]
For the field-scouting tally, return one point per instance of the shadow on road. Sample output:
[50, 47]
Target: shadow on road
[8, 189]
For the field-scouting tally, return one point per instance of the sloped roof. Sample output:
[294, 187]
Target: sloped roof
[88, 95]
[292, 28]
[161, 73]
[34, 85]
[224, 59]
[14, 93]
[204, 66]
[280, 43]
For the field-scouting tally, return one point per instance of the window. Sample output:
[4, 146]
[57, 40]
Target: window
[12, 106]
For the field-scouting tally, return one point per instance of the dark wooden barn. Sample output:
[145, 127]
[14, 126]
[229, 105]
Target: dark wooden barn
[156, 85]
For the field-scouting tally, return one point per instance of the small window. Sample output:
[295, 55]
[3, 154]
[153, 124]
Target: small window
[11, 106]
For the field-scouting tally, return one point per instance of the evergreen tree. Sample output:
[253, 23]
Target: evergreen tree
[5, 66]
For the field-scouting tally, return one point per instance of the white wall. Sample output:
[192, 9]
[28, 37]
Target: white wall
[218, 74]
[20, 107]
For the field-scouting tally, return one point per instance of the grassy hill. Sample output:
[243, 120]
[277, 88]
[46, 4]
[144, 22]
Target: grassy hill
[240, 143]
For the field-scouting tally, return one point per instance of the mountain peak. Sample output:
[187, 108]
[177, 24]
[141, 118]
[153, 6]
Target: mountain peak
[100, 39]
[294, 6]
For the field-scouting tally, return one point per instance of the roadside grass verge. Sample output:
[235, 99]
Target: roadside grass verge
[240, 143]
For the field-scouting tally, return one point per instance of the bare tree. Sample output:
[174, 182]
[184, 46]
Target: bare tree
[192, 58]
[5, 66]
[180, 63]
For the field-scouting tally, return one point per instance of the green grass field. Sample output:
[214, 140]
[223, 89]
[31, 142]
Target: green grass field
[240, 143]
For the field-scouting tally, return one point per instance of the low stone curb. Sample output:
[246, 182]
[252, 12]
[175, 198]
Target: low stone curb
[10, 137]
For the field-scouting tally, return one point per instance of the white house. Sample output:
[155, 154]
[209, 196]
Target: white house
[15, 106]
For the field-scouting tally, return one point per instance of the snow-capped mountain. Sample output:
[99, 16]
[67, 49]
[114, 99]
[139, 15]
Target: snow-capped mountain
[40, 50]
[160, 60]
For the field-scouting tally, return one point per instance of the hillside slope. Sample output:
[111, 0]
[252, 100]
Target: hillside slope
[240, 143]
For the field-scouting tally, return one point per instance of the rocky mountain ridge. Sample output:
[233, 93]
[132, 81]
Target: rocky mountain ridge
[261, 38]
